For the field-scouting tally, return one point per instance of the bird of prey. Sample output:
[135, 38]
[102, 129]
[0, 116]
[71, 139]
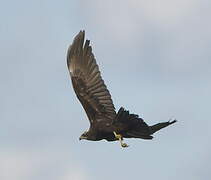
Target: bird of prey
[90, 89]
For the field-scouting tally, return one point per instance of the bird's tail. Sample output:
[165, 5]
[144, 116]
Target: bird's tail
[136, 127]
[162, 125]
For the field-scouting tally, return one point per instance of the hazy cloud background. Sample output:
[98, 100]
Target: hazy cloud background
[155, 59]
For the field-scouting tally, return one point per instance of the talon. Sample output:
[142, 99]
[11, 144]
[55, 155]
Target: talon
[124, 145]
[119, 136]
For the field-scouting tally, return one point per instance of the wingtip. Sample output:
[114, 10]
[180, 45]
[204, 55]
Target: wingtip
[81, 33]
[79, 37]
[172, 122]
[76, 45]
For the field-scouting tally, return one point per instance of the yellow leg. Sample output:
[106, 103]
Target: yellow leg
[119, 136]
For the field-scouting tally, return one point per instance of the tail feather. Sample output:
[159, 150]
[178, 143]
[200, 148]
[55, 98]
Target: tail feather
[159, 126]
[135, 127]
[136, 134]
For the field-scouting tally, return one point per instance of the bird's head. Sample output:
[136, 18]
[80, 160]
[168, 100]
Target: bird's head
[90, 135]
[85, 135]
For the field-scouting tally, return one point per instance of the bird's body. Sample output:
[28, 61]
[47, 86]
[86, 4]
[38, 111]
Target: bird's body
[96, 100]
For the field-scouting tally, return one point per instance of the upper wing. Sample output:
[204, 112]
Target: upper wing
[87, 82]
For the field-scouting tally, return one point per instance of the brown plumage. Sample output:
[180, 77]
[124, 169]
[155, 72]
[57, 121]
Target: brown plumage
[96, 99]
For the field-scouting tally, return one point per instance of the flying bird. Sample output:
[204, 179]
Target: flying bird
[90, 89]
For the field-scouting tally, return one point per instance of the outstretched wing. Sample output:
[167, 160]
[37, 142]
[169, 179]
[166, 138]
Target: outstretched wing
[87, 82]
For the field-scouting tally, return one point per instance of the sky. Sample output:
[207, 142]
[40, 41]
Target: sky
[154, 57]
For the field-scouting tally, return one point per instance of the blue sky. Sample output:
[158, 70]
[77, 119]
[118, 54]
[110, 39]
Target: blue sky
[155, 59]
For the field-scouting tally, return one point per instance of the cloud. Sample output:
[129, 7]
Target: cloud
[164, 11]
[14, 166]
[74, 174]
[167, 33]
[126, 19]
[31, 164]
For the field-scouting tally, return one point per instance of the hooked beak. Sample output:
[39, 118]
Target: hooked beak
[82, 137]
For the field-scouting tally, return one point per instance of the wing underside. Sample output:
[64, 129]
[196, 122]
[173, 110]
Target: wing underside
[87, 81]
